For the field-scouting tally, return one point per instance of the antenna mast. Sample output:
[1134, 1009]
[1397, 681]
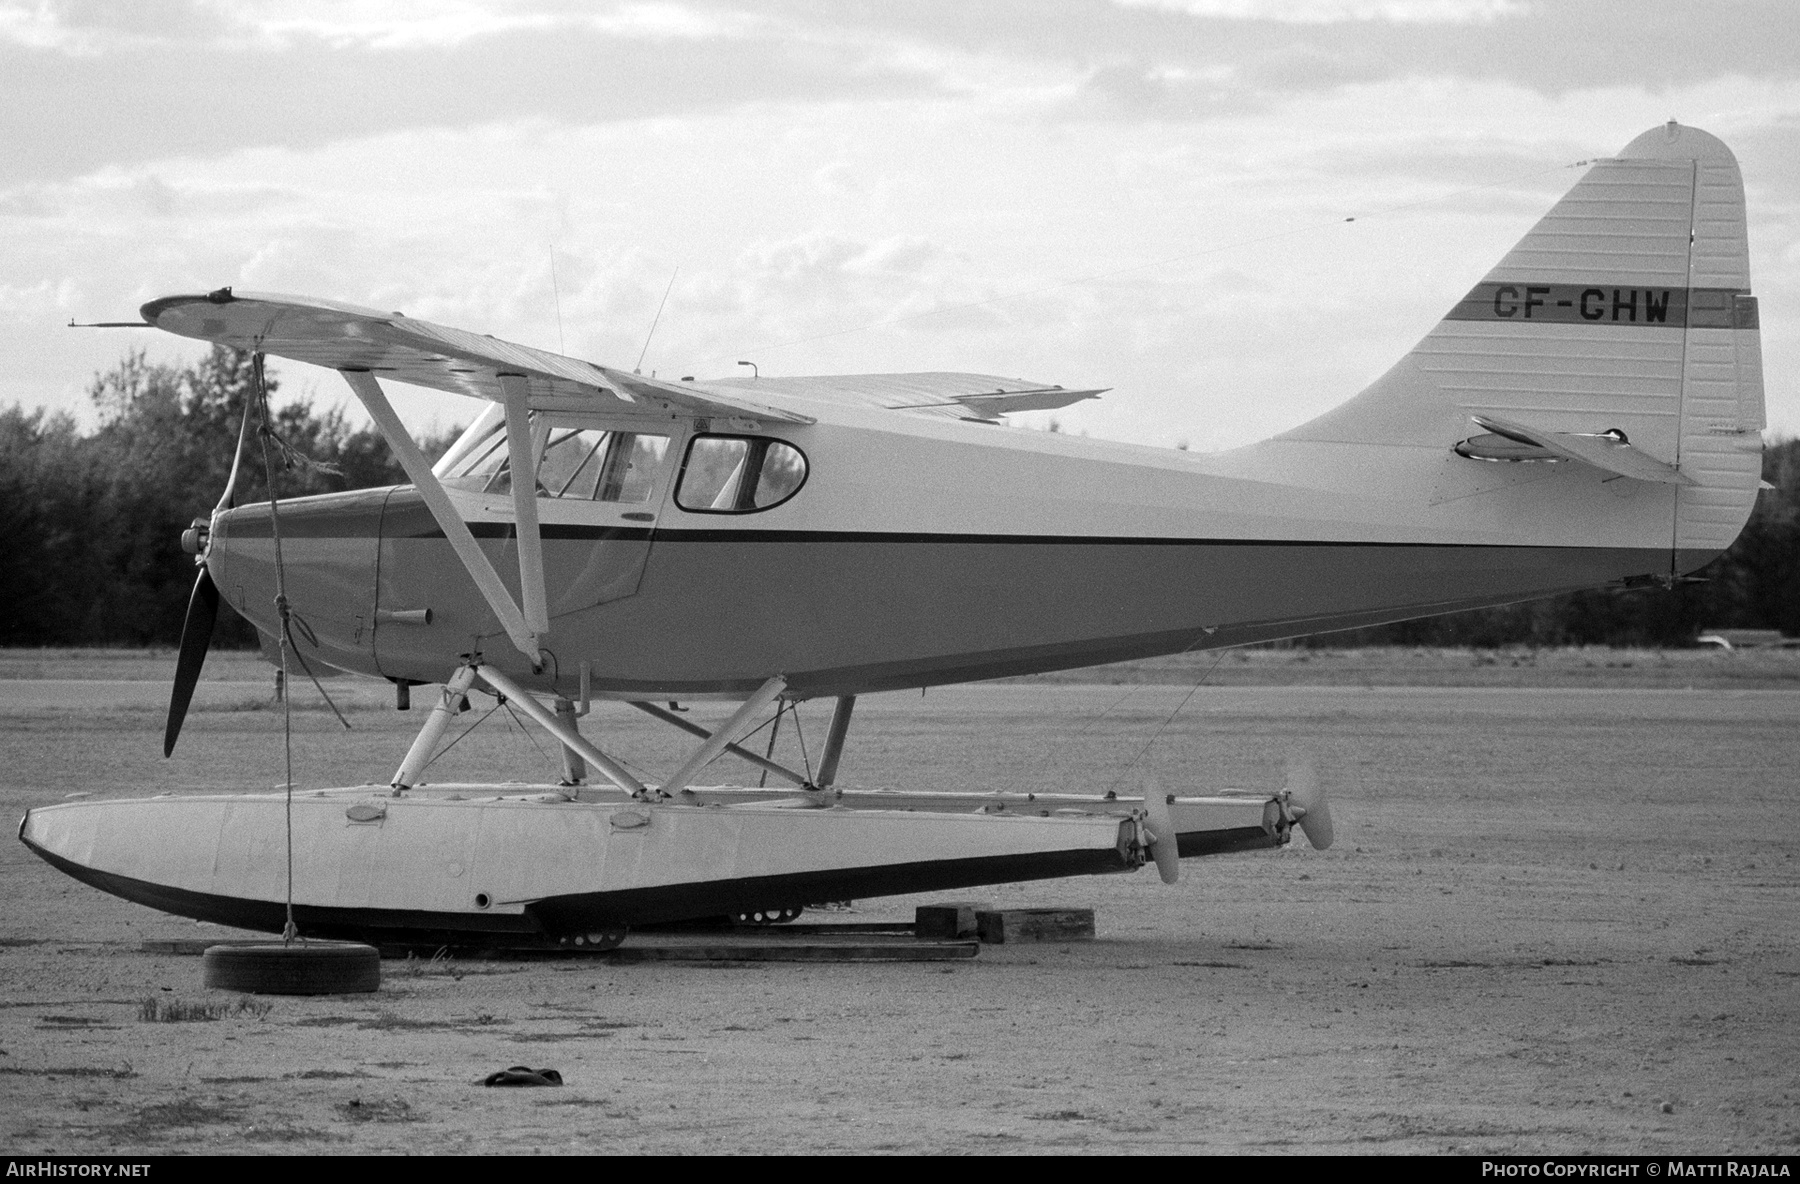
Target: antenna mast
[639, 368]
[556, 292]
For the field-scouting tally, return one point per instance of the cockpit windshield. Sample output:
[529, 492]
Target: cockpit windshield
[587, 464]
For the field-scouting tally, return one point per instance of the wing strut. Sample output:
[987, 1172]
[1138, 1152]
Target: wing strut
[524, 491]
[474, 561]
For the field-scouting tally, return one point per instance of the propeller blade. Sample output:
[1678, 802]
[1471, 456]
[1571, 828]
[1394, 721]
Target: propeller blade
[196, 635]
[1305, 793]
[1163, 845]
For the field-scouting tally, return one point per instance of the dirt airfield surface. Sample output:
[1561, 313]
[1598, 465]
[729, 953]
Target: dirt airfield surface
[1560, 917]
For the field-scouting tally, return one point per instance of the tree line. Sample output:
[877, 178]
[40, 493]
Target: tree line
[1754, 585]
[90, 524]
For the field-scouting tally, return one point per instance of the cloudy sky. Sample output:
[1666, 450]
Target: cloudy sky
[1148, 195]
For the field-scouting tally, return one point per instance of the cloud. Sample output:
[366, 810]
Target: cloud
[97, 84]
[1140, 198]
[94, 26]
[399, 26]
[1320, 12]
[118, 104]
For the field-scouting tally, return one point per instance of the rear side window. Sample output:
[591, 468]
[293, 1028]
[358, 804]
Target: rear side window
[738, 474]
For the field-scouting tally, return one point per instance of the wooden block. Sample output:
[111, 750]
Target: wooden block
[947, 921]
[1004, 925]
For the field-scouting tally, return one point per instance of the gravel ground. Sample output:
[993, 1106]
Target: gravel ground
[1559, 917]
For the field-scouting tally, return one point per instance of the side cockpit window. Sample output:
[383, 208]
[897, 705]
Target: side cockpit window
[738, 474]
[587, 464]
[601, 466]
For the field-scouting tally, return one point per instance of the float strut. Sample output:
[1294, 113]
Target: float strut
[522, 699]
[426, 745]
[574, 768]
[834, 740]
[693, 729]
[728, 733]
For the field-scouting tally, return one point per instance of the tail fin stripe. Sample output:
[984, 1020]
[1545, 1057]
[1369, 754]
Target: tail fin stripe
[1600, 304]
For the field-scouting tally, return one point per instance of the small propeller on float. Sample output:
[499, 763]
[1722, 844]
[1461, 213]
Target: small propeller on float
[203, 604]
[1306, 799]
[1161, 841]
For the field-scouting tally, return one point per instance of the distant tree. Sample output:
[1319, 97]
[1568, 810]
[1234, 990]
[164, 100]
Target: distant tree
[1755, 584]
[1758, 580]
[49, 497]
[92, 524]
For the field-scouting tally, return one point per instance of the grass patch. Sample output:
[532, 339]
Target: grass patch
[440, 963]
[376, 1110]
[290, 1134]
[387, 1021]
[181, 1011]
[182, 1112]
[123, 1071]
[158, 1119]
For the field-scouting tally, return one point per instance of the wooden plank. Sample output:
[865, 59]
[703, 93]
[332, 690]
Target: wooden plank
[842, 942]
[828, 928]
[905, 951]
[193, 947]
[1017, 925]
[947, 920]
[791, 928]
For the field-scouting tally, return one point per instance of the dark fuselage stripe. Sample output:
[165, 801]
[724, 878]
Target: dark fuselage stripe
[580, 533]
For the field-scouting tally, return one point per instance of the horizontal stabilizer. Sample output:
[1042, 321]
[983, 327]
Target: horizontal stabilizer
[1608, 451]
[987, 406]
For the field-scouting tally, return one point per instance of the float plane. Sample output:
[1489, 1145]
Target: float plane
[1588, 415]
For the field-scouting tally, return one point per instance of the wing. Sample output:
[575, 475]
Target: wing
[394, 346]
[957, 396]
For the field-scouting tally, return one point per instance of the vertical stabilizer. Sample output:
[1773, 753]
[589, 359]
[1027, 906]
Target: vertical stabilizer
[1626, 309]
